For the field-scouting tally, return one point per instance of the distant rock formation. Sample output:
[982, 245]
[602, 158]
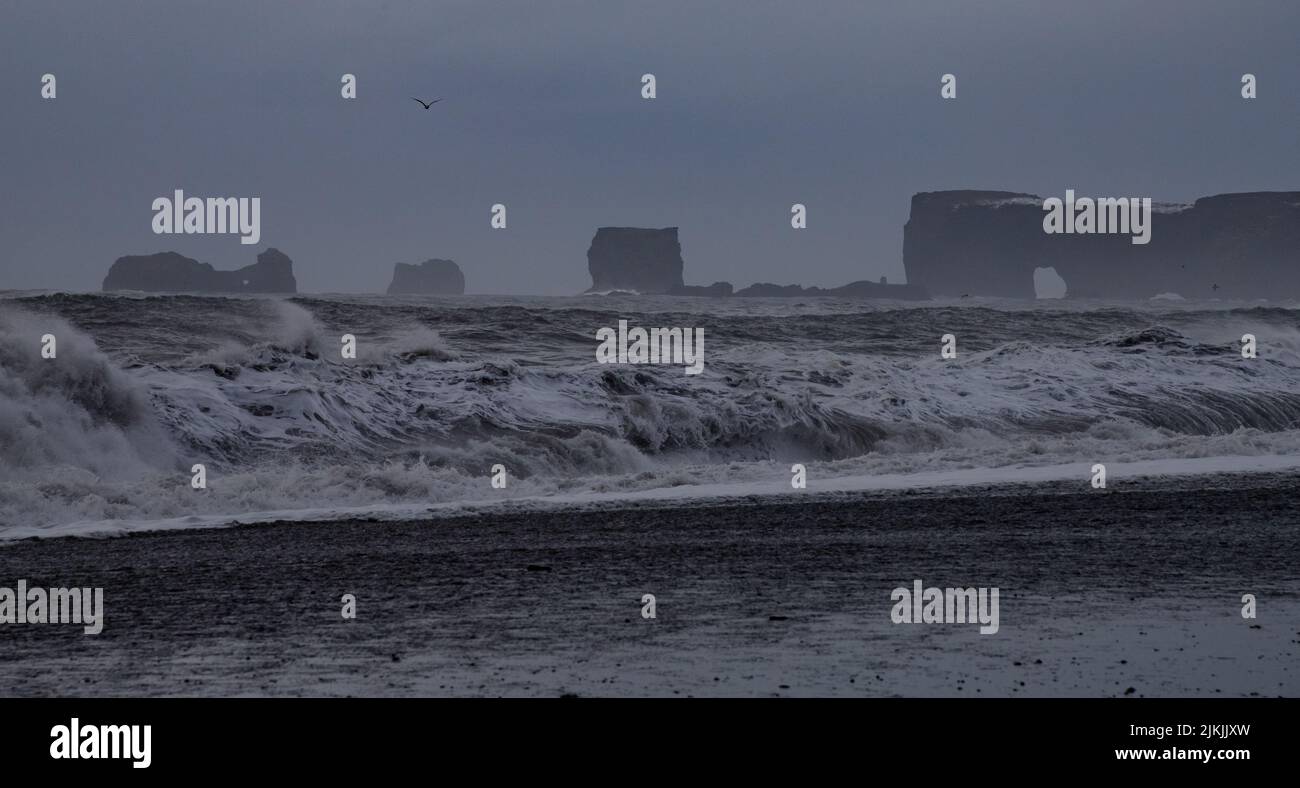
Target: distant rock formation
[170, 272]
[715, 290]
[859, 289]
[639, 259]
[432, 277]
[649, 262]
[989, 243]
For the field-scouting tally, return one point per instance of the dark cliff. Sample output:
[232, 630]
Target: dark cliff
[989, 243]
[172, 272]
[432, 277]
[635, 258]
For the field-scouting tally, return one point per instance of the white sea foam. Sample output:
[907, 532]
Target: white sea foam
[102, 439]
[770, 490]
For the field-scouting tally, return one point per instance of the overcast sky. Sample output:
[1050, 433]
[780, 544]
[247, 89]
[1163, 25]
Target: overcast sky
[834, 104]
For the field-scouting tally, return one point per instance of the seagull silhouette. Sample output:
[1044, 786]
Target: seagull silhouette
[426, 104]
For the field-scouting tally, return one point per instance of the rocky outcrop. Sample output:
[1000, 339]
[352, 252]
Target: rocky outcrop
[170, 272]
[715, 290]
[989, 243]
[860, 289]
[635, 259]
[432, 277]
[638, 260]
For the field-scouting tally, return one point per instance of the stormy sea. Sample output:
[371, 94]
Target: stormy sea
[499, 503]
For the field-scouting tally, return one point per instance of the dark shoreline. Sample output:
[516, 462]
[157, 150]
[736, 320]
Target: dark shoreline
[1101, 591]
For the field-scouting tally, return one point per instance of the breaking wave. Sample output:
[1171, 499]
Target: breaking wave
[257, 391]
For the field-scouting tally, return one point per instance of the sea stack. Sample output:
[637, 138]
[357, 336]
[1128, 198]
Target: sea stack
[635, 259]
[432, 277]
[171, 272]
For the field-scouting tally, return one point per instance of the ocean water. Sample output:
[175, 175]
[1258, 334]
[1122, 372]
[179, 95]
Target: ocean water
[442, 389]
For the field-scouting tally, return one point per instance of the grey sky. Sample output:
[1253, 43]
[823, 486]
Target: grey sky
[834, 104]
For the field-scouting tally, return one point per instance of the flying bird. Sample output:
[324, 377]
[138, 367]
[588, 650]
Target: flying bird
[426, 104]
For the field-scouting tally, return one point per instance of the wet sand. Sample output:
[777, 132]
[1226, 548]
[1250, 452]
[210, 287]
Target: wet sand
[1134, 590]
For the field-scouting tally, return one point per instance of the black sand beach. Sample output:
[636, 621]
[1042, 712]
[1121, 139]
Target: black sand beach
[1133, 590]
